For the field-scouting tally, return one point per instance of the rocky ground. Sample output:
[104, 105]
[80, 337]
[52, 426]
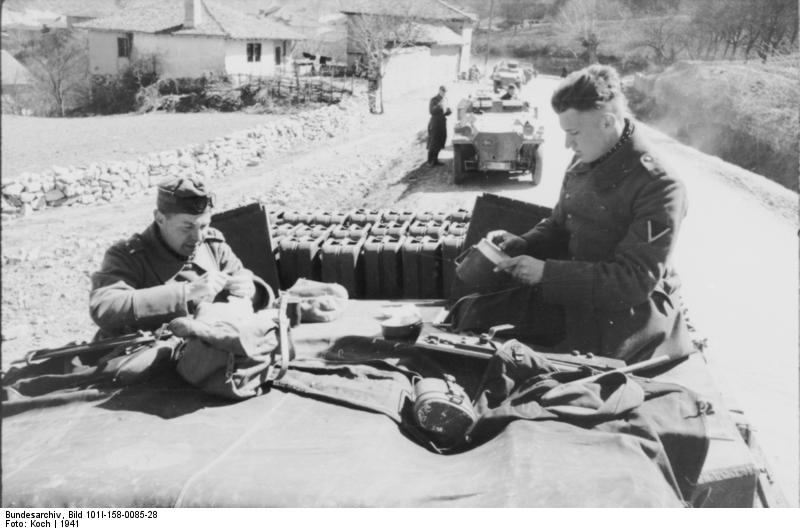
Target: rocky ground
[738, 251]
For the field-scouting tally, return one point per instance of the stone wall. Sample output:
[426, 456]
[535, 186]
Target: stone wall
[109, 181]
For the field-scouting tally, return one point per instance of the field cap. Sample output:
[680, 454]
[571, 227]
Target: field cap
[184, 195]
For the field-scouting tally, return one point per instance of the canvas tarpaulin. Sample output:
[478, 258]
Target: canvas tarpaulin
[164, 443]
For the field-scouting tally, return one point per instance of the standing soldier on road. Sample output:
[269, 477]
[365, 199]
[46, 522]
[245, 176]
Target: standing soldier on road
[437, 126]
[165, 271]
[602, 261]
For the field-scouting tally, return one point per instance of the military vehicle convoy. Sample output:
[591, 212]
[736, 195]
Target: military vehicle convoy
[508, 73]
[492, 135]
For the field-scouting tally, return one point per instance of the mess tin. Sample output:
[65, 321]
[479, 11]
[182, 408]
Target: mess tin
[443, 409]
[475, 266]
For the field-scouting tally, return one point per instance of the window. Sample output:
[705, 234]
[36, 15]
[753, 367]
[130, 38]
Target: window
[124, 45]
[277, 55]
[253, 52]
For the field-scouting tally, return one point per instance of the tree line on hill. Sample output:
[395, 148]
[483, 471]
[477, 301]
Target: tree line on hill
[667, 29]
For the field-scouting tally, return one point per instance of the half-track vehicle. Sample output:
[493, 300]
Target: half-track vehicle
[307, 440]
[508, 73]
[498, 136]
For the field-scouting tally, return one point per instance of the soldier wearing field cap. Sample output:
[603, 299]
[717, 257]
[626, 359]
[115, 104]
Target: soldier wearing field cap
[605, 256]
[165, 271]
[437, 126]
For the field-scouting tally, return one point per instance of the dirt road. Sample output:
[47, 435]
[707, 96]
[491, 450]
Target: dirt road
[737, 257]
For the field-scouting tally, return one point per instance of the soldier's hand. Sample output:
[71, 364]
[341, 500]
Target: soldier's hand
[207, 286]
[524, 269]
[241, 285]
[508, 242]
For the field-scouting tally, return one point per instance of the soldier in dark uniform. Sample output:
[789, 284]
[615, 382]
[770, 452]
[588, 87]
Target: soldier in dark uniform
[437, 126]
[511, 93]
[165, 271]
[603, 259]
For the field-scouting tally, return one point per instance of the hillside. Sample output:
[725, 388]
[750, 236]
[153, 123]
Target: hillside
[743, 112]
[551, 49]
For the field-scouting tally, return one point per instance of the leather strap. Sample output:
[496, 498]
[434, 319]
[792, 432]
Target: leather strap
[285, 344]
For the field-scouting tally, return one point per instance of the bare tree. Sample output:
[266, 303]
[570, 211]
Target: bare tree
[580, 18]
[59, 63]
[778, 23]
[734, 28]
[515, 12]
[665, 37]
[374, 37]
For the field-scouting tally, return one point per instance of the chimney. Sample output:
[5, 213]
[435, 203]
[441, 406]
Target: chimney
[193, 15]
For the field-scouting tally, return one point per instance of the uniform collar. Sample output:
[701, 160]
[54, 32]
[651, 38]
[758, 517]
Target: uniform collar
[617, 166]
[167, 263]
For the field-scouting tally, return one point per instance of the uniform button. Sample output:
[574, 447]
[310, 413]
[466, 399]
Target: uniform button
[569, 216]
[566, 196]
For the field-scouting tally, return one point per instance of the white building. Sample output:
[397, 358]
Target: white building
[442, 45]
[190, 38]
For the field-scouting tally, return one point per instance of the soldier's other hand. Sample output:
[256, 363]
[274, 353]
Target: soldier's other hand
[241, 285]
[206, 286]
[509, 243]
[524, 269]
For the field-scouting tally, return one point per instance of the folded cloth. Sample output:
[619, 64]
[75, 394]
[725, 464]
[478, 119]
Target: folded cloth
[520, 383]
[305, 288]
[228, 349]
[666, 419]
[61, 380]
[229, 327]
[319, 302]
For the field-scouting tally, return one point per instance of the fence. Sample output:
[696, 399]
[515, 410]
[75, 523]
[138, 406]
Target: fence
[326, 89]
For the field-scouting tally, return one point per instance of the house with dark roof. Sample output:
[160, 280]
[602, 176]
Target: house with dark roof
[190, 38]
[442, 38]
[323, 25]
[15, 75]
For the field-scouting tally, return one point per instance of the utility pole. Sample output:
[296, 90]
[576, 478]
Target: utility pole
[488, 36]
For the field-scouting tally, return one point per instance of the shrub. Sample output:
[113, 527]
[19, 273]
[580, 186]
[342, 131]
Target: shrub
[635, 62]
[640, 100]
[112, 95]
[116, 94]
[743, 112]
[148, 98]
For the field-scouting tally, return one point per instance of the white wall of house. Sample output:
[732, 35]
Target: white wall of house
[178, 56]
[413, 68]
[103, 57]
[187, 56]
[182, 55]
[405, 70]
[444, 63]
[236, 57]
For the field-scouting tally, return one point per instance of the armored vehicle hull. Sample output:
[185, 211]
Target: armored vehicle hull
[496, 136]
